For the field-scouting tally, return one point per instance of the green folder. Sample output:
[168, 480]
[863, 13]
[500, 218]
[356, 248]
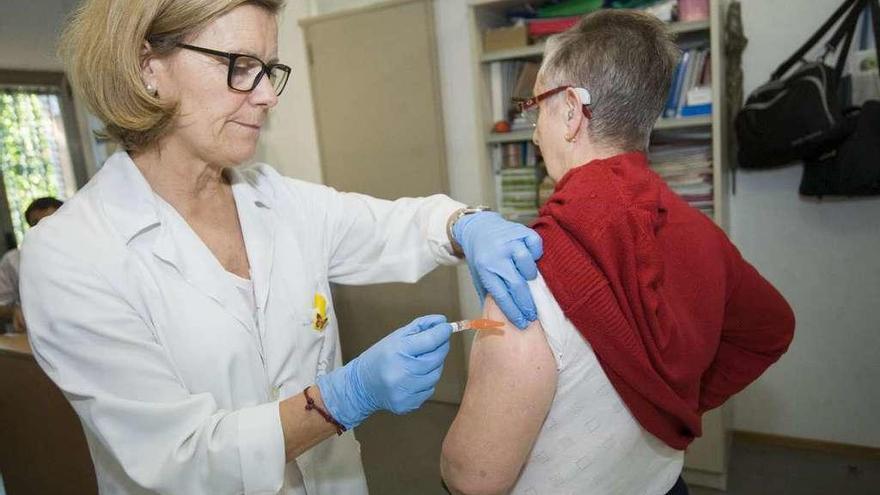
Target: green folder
[581, 7]
[570, 8]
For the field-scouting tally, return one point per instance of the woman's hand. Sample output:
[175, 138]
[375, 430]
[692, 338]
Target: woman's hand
[501, 257]
[396, 374]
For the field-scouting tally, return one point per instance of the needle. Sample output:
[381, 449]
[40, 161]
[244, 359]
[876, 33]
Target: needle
[481, 324]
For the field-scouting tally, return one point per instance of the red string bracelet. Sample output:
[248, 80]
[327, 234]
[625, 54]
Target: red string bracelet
[310, 405]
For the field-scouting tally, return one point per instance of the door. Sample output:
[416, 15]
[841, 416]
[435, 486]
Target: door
[380, 131]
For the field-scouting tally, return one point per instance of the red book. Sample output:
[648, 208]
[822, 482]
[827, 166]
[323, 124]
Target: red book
[693, 10]
[546, 27]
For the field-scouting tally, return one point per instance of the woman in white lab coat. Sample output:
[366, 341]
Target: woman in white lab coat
[182, 301]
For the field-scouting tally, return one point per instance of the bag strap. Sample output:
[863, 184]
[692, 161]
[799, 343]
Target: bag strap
[814, 39]
[875, 18]
[847, 31]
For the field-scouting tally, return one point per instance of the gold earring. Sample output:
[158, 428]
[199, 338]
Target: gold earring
[569, 138]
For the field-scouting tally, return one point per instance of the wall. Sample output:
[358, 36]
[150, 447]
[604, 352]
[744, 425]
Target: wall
[289, 141]
[458, 84]
[320, 7]
[457, 81]
[824, 257]
[28, 33]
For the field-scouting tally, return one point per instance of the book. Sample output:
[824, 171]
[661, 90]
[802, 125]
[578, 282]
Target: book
[496, 85]
[552, 25]
[685, 164]
[690, 91]
[675, 89]
[525, 81]
[696, 110]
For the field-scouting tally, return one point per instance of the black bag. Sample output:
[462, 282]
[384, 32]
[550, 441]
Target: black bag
[792, 118]
[853, 169]
[852, 166]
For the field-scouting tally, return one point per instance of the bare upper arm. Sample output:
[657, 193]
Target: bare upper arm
[511, 384]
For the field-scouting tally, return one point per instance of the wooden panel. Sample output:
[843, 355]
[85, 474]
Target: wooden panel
[708, 453]
[832, 448]
[380, 132]
[43, 446]
[706, 459]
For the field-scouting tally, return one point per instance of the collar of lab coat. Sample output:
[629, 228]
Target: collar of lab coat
[133, 210]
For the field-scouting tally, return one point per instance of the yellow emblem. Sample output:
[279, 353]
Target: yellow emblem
[320, 309]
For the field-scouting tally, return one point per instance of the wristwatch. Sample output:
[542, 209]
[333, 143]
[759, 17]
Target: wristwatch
[456, 216]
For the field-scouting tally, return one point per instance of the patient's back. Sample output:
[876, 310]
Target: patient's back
[590, 443]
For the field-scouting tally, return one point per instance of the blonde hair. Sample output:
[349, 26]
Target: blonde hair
[102, 51]
[626, 59]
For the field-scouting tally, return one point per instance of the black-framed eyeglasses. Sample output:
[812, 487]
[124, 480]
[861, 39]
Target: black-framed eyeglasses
[246, 71]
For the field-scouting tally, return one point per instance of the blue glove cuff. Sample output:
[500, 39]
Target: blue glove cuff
[341, 392]
[459, 226]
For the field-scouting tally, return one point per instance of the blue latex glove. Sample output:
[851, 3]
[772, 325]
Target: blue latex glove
[501, 257]
[396, 374]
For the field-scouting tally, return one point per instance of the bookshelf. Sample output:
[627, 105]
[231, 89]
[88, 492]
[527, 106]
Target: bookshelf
[536, 51]
[706, 459]
[486, 14]
[662, 125]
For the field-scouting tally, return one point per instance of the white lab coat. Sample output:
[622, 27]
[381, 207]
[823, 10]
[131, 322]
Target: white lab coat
[175, 380]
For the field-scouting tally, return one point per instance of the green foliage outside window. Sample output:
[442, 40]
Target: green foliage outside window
[29, 152]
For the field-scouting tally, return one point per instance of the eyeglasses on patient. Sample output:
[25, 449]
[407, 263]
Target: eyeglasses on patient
[530, 107]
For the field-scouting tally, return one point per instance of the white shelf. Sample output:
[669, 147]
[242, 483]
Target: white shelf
[510, 137]
[662, 124]
[683, 123]
[537, 50]
[530, 51]
[688, 27]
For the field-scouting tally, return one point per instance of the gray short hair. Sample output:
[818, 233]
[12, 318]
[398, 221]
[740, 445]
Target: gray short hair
[626, 59]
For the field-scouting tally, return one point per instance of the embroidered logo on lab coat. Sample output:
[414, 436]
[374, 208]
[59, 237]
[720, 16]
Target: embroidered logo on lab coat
[320, 311]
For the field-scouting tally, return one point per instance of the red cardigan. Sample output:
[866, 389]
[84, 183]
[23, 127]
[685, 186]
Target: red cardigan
[678, 320]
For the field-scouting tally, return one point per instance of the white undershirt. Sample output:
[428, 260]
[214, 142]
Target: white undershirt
[245, 288]
[590, 442]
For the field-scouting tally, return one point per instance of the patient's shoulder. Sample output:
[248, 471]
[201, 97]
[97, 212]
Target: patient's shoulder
[520, 354]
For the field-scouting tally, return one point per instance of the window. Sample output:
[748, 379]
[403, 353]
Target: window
[34, 160]
[35, 156]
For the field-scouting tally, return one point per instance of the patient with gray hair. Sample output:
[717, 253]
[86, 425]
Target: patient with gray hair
[647, 315]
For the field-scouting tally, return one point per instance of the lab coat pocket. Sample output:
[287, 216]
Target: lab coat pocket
[324, 321]
[316, 328]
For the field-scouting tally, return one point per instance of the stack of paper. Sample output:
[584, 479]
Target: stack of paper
[686, 165]
[518, 193]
